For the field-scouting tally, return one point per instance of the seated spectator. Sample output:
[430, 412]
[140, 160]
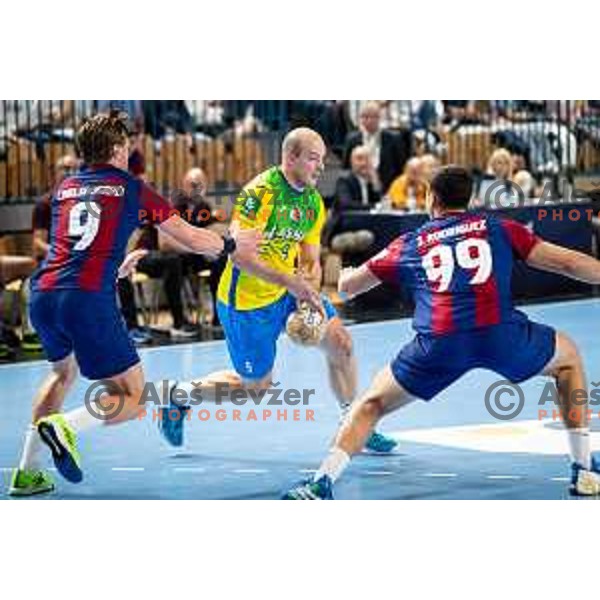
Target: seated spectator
[196, 210]
[522, 177]
[358, 189]
[408, 192]
[496, 189]
[354, 191]
[429, 166]
[389, 150]
[11, 268]
[165, 118]
[156, 264]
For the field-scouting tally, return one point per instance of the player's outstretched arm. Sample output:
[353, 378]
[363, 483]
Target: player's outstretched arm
[564, 261]
[204, 241]
[354, 282]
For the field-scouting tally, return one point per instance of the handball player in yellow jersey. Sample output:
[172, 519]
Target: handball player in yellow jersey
[256, 296]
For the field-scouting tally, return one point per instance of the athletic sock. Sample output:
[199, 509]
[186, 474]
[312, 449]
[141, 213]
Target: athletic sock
[30, 459]
[85, 417]
[579, 443]
[334, 465]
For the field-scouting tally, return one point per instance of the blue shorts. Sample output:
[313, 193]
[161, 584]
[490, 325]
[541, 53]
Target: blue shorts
[87, 324]
[517, 351]
[252, 334]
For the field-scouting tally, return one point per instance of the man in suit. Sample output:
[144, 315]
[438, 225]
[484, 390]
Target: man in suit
[358, 189]
[389, 151]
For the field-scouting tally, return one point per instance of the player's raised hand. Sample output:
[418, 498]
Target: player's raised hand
[130, 263]
[305, 292]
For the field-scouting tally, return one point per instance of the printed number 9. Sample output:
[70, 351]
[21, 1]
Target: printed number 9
[84, 222]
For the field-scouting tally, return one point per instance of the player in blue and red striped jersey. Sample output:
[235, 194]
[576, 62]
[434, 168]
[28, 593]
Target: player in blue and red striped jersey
[73, 303]
[458, 268]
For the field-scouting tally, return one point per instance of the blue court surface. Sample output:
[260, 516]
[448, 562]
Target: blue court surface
[449, 448]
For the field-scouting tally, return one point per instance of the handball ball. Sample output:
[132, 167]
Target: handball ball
[306, 326]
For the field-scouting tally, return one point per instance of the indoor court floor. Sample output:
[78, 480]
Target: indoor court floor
[449, 448]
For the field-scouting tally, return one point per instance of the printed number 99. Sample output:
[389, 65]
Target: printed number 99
[439, 262]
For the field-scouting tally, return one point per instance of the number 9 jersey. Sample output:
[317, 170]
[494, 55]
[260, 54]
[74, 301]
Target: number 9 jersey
[458, 269]
[93, 215]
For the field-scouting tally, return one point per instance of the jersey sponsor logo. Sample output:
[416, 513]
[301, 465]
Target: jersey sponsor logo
[284, 234]
[428, 238]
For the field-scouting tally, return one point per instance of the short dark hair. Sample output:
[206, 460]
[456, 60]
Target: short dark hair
[452, 186]
[97, 136]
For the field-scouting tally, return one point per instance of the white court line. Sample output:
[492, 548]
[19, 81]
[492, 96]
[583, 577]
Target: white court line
[504, 477]
[189, 469]
[440, 475]
[379, 473]
[127, 469]
[560, 479]
[251, 471]
[307, 471]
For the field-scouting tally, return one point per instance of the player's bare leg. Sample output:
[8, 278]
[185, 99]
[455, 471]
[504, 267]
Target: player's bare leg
[121, 402]
[29, 477]
[567, 369]
[384, 396]
[343, 376]
[341, 362]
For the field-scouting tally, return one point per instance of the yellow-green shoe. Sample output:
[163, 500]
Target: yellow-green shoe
[27, 482]
[61, 438]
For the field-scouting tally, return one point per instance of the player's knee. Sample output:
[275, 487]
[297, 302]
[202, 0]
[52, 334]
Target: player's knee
[371, 408]
[568, 352]
[67, 372]
[339, 341]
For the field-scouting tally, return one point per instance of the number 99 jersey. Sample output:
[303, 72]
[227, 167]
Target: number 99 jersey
[458, 269]
[93, 215]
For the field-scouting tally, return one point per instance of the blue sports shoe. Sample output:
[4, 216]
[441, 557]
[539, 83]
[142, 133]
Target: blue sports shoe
[380, 444]
[585, 482]
[311, 490]
[171, 420]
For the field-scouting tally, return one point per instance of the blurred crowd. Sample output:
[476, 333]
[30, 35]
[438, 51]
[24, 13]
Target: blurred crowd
[384, 154]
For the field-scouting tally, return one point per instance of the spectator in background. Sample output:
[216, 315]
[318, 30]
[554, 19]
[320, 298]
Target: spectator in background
[208, 117]
[389, 151]
[162, 117]
[12, 267]
[408, 192]
[522, 177]
[358, 189]
[167, 266]
[193, 206]
[496, 189]
[429, 166]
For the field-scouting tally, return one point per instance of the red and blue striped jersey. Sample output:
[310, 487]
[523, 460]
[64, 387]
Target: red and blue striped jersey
[94, 214]
[458, 269]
